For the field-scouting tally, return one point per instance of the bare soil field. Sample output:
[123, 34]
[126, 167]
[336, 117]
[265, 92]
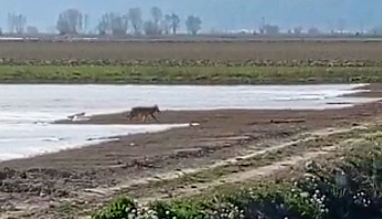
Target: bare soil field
[279, 50]
[67, 183]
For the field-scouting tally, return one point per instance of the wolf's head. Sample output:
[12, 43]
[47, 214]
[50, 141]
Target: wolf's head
[156, 108]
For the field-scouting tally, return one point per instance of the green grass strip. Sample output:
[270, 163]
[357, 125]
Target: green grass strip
[188, 75]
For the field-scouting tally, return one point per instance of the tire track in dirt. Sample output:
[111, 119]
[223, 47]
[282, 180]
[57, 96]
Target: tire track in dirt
[105, 194]
[232, 161]
[266, 170]
[263, 171]
[239, 177]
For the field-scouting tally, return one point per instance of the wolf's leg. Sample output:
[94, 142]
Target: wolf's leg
[130, 116]
[152, 115]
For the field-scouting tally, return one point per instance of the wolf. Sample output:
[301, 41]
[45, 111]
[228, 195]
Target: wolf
[144, 111]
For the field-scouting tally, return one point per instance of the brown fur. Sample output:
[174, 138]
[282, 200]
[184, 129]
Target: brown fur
[144, 111]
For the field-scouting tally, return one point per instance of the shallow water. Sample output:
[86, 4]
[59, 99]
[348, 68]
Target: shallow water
[22, 106]
[20, 140]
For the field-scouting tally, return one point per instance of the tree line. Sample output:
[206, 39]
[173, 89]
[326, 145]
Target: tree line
[73, 21]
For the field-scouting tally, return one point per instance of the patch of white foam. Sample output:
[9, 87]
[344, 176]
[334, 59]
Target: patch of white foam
[23, 140]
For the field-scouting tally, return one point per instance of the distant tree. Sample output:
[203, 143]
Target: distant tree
[32, 30]
[262, 30]
[376, 30]
[103, 25]
[163, 28]
[157, 15]
[70, 22]
[313, 31]
[135, 17]
[173, 21]
[86, 23]
[120, 25]
[170, 23]
[150, 28]
[193, 24]
[21, 22]
[271, 29]
[16, 23]
[166, 24]
[11, 23]
[297, 30]
[113, 23]
[157, 24]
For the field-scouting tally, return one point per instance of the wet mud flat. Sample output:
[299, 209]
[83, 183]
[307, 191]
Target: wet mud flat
[221, 134]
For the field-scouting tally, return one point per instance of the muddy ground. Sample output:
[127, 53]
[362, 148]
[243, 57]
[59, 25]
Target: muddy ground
[273, 49]
[42, 180]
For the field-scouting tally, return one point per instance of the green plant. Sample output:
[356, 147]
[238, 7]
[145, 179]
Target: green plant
[118, 209]
[346, 188]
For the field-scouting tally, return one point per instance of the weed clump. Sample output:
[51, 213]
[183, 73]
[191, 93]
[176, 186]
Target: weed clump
[345, 185]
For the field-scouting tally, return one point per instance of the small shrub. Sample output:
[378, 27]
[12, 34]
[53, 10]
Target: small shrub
[118, 209]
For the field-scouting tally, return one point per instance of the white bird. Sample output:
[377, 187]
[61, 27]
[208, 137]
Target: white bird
[75, 116]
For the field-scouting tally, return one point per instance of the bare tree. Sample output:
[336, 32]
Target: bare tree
[119, 24]
[113, 23]
[193, 24]
[103, 25]
[297, 30]
[70, 22]
[135, 17]
[150, 28]
[80, 23]
[172, 22]
[21, 22]
[86, 23]
[157, 25]
[157, 15]
[16, 23]
[167, 24]
[11, 23]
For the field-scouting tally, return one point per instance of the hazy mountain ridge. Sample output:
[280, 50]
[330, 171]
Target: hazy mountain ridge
[217, 14]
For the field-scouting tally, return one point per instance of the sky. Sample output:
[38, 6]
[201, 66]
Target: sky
[221, 15]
